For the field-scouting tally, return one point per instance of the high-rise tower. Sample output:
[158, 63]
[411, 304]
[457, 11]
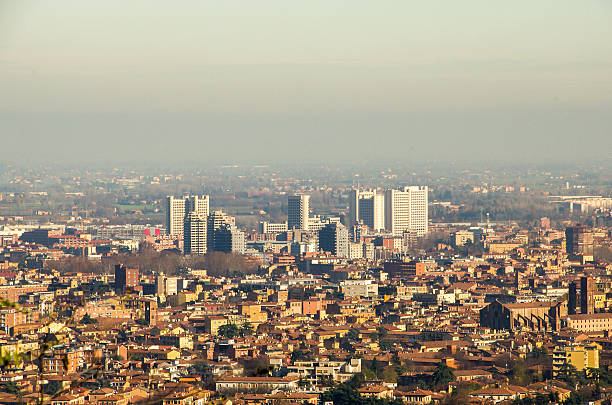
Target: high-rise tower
[406, 210]
[367, 206]
[194, 238]
[298, 211]
[178, 208]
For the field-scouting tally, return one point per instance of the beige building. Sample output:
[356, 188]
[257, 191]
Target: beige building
[255, 384]
[590, 322]
[406, 209]
[463, 237]
[178, 208]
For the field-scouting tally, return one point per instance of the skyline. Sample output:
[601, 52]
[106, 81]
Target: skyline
[316, 82]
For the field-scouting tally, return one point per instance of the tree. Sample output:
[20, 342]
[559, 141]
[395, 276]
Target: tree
[229, 331]
[264, 371]
[389, 374]
[442, 375]
[519, 374]
[326, 381]
[87, 320]
[356, 380]
[246, 329]
[345, 394]
[353, 334]
[199, 368]
[567, 373]
[11, 388]
[384, 345]
[300, 353]
[52, 387]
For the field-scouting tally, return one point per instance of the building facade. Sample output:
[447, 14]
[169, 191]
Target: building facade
[125, 277]
[215, 221]
[579, 240]
[194, 234]
[334, 238]
[406, 209]
[178, 208]
[533, 316]
[367, 207]
[298, 212]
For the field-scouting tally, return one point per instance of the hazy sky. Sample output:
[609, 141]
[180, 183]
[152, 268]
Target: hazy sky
[221, 81]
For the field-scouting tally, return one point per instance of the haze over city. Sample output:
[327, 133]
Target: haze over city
[307, 82]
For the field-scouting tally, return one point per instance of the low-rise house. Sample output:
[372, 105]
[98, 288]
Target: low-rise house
[255, 384]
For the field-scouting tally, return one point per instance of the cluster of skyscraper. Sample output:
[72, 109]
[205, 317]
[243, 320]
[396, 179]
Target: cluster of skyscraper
[202, 231]
[400, 213]
[395, 210]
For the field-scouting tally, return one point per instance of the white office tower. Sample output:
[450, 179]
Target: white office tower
[178, 208]
[367, 206]
[199, 204]
[406, 210]
[194, 238]
[298, 211]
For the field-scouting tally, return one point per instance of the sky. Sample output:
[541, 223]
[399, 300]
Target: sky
[305, 81]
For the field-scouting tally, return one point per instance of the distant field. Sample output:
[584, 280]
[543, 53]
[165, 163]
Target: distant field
[18, 209]
[128, 207]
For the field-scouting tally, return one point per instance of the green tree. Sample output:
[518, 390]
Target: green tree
[229, 331]
[300, 353]
[52, 387]
[389, 374]
[567, 373]
[353, 334]
[442, 375]
[246, 329]
[11, 388]
[199, 368]
[87, 320]
[264, 371]
[519, 374]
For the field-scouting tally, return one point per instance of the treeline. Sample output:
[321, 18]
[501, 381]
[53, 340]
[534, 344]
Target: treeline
[170, 263]
[501, 207]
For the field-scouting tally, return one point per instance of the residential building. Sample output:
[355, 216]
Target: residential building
[125, 277]
[463, 237]
[229, 239]
[579, 356]
[178, 208]
[359, 288]
[194, 238]
[217, 220]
